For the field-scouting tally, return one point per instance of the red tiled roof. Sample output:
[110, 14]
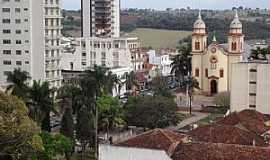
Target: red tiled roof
[155, 139]
[215, 151]
[250, 120]
[215, 133]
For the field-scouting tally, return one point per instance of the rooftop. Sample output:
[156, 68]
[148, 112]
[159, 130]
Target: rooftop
[157, 139]
[216, 133]
[249, 120]
[219, 151]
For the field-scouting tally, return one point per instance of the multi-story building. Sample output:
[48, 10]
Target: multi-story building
[100, 18]
[22, 38]
[53, 28]
[250, 87]
[109, 52]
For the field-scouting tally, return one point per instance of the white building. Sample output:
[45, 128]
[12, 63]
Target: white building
[162, 62]
[100, 18]
[22, 41]
[250, 87]
[108, 152]
[114, 53]
[29, 38]
[53, 27]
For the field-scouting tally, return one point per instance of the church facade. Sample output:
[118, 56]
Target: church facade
[212, 64]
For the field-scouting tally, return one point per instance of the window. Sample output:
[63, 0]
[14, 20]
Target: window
[206, 72]
[17, 10]
[197, 46]
[234, 46]
[6, 62]
[221, 73]
[18, 52]
[252, 82]
[25, 20]
[5, 10]
[83, 54]
[26, 51]
[253, 70]
[18, 63]
[6, 41]
[25, 9]
[6, 51]
[84, 63]
[252, 106]
[197, 72]
[18, 42]
[5, 20]
[252, 94]
[17, 21]
[71, 66]
[26, 62]
[6, 31]
[18, 31]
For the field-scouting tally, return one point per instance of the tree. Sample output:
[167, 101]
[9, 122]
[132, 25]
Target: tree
[55, 145]
[85, 129]
[223, 99]
[18, 83]
[131, 81]
[19, 135]
[42, 104]
[260, 53]
[151, 112]
[67, 126]
[160, 87]
[110, 113]
[181, 65]
[190, 84]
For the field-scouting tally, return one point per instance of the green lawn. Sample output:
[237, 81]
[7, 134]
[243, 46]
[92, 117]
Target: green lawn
[159, 38]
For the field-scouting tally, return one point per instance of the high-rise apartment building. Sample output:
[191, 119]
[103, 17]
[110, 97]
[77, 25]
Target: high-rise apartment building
[53, 28]
[100, 18]
[21, 38]
[30, 32]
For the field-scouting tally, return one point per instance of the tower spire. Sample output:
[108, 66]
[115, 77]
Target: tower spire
[236, 14]
[200, 14]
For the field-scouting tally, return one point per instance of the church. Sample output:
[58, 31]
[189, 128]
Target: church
[212, 64]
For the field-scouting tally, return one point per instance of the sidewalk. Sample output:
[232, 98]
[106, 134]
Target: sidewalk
[197, 116]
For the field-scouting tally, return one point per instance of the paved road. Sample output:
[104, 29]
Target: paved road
[197, 116]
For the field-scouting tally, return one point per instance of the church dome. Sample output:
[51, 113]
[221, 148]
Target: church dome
[236, 22]
[199, 24]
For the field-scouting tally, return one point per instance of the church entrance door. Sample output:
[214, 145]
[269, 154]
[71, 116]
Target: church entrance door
[214, 87]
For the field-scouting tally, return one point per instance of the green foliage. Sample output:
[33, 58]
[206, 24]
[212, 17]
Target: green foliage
[67, 124]
[85, 128]
[160, 87]
[18, 133]
[260, 53]
[110, 112]
[223, 99]
[55, 145]
[151, 112]
[42, 103]
[18, 83]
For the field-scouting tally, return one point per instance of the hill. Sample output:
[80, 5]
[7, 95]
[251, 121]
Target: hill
[159, 38]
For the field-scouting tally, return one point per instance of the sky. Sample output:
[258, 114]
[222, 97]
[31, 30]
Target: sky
[162, 4]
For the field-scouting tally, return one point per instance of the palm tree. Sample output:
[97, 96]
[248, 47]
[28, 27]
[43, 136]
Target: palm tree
[191, 84]
[94, 82]
[18, 83]
[181, 65]
[259, 53]
[131, 81]
[41, 104]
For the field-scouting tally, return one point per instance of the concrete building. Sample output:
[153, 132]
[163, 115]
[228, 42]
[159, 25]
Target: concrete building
[109, 52]
[250, 87]
[100, 18]
[162, 62]
[115, 53]
[212, 64]
[108, 152]
[30, 39]
[22, 42]
[53, 27]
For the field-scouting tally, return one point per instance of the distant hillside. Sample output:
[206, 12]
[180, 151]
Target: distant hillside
[159, 38]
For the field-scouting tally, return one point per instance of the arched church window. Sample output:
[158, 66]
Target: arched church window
[197, 45]
[213, 62]
[197, 72]
[234, 46]
[221, 73]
